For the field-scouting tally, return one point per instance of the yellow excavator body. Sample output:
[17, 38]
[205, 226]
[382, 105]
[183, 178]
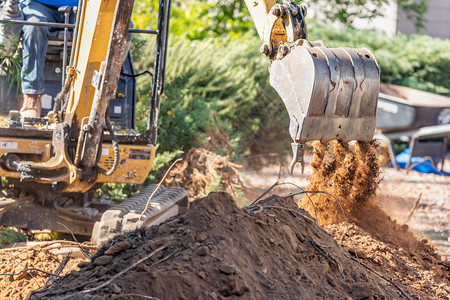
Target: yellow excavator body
[329, 93]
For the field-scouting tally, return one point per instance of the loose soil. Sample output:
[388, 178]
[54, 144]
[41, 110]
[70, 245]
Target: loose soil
[350, 175]
[270, 250]
[420, 268]
[44, 257]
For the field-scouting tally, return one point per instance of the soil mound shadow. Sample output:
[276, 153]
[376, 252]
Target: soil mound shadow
[272, 250]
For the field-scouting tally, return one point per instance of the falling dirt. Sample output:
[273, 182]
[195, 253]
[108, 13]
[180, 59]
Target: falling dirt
[350, 175]
[271, 250]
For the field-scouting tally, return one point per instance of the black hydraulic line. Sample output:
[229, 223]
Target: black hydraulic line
[138, 74]
[165, 46]
[132, 30]
[159, 67]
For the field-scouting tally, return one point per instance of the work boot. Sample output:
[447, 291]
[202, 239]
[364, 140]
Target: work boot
[31, 107]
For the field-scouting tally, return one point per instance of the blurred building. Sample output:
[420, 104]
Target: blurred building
[438, 20]
[395, 20]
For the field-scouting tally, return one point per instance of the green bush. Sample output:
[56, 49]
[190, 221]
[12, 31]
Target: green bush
[220, 83]
[9, 236]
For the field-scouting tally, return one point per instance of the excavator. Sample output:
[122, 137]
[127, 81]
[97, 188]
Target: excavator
[86, 138]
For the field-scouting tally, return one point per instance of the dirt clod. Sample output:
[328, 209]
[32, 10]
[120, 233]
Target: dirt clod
[119, 247]
[103, 260]
[227, 269]
[202, 251]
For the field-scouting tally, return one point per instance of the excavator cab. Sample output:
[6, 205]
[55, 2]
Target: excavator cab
[329, 93]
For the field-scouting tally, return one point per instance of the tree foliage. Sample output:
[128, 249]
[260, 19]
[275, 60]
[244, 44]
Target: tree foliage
[198, 19]
[194, 19]
[212, 83]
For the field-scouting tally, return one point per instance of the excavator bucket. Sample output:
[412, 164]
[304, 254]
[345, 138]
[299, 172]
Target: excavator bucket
[329, 93]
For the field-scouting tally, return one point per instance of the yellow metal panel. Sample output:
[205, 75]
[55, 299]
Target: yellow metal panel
[93, 38]
[135, 163]
[259, 11]
[23, 146]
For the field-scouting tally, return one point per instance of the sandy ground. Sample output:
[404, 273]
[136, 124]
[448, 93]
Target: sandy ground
[397, 194]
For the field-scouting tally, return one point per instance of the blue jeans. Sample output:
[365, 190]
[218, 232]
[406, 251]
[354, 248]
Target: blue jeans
[34, 43]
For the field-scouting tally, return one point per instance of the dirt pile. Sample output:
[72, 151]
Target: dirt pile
[421, 268]
[272, 250]
[28, 263]
[203, 171]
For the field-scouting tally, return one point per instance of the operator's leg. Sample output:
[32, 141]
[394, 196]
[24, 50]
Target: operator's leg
[34, 42]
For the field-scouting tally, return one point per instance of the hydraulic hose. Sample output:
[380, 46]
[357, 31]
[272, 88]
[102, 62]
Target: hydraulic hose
[115, 145]
[60, 97]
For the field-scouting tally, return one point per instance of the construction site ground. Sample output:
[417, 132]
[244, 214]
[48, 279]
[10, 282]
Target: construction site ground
[270, 250]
